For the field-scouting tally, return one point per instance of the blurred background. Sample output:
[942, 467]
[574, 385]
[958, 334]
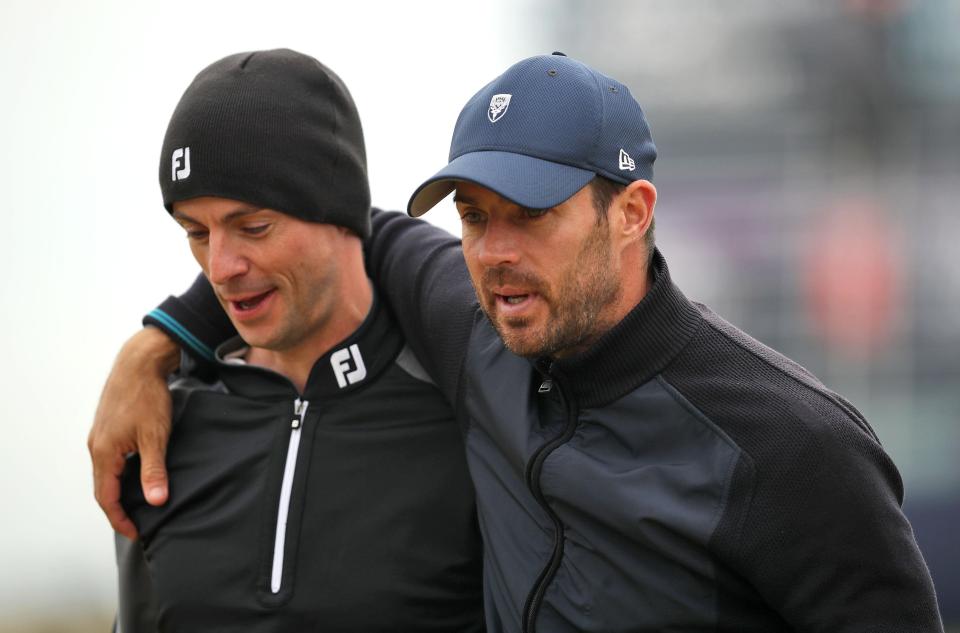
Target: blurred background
[808, 179]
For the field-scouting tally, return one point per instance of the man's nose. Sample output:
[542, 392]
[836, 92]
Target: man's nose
[499, 244]
[224, 260]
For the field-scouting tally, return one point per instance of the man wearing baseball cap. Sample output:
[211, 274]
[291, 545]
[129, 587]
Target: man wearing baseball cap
[318, 476]
[640, 464]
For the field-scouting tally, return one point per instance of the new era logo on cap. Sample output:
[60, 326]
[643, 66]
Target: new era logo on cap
[626, 163]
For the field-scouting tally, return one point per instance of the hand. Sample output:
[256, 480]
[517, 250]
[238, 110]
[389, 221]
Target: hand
[133, 416]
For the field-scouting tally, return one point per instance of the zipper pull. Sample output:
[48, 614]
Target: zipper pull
[545, 367]
[299, 410]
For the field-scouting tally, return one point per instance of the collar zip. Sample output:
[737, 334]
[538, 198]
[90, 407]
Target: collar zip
[544, 367]
[632, 352]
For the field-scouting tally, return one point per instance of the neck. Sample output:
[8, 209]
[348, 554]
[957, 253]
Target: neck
[633, 287]
[639, 348]
[353, 301]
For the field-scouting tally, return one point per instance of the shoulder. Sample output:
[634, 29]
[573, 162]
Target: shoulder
[751, 389]
[192, 378]
[814, 501]
[791, 429]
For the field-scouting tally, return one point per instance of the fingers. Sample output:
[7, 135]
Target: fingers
[152, 440]
[119, 520]
[133, 415]
[107, 468]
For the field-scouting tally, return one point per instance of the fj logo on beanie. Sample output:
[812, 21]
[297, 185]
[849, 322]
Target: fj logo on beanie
[276, 129]
[180, 167]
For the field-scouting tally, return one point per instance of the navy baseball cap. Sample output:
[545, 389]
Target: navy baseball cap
[540, 132]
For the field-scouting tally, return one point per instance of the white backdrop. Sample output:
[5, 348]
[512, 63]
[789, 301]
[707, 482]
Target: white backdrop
[87, 90]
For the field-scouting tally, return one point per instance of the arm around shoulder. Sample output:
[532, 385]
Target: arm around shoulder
[419, 269]
[133, 415]
[195, 320]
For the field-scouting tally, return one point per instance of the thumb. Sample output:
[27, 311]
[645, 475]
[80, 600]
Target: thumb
[153, 470]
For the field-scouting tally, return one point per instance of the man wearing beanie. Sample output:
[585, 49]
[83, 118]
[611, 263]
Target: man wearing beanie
[318, 478]
[639, 463]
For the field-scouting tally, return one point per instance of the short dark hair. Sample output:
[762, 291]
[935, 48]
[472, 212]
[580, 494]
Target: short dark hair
[604, 191]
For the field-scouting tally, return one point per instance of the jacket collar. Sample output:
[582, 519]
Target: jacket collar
[346, 367]
[636, 349]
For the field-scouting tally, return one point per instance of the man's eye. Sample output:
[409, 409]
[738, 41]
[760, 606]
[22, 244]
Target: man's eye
[255, 229]
[471, 217]
[535, 213]
[196, 234]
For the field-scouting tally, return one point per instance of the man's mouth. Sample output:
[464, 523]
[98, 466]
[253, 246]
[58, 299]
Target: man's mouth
[513, 303]
[513, 299]
[512, 293]
[250, 302]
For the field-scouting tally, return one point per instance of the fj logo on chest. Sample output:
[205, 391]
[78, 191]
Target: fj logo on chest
[348, 365]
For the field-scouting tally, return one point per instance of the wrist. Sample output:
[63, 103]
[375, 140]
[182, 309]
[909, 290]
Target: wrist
[150, 350]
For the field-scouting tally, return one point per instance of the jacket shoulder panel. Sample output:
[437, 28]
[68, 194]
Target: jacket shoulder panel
[795, 528]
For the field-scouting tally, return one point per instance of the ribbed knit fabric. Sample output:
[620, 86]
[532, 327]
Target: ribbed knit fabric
[273, 128]
[636, 349]
[813, 479]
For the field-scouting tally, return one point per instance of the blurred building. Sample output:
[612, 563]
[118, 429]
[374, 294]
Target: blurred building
[809, 178]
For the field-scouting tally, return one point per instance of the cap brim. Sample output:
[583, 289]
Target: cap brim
[529, 182]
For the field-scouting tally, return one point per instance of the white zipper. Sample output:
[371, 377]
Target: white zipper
[299, 410]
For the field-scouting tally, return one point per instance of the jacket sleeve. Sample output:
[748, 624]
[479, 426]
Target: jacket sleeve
[137, 608]
[195, 320]
[419, 269]
[820, 534]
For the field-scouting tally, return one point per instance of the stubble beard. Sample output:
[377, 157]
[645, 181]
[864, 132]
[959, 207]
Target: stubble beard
[576, 317]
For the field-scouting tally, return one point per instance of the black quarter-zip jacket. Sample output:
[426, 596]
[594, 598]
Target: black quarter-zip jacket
[677, 476]
[345, 508]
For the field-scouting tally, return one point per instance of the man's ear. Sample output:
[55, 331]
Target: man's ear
[634, 207]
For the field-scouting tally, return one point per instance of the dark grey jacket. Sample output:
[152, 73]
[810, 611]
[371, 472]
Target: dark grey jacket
[345, 508]
[677, 476]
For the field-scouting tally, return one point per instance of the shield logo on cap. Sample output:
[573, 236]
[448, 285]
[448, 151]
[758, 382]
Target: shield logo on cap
[498, 107]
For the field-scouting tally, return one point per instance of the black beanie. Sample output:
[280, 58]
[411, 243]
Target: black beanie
[272, 128]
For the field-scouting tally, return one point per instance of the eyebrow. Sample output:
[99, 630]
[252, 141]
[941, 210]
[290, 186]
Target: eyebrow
[233, 215]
